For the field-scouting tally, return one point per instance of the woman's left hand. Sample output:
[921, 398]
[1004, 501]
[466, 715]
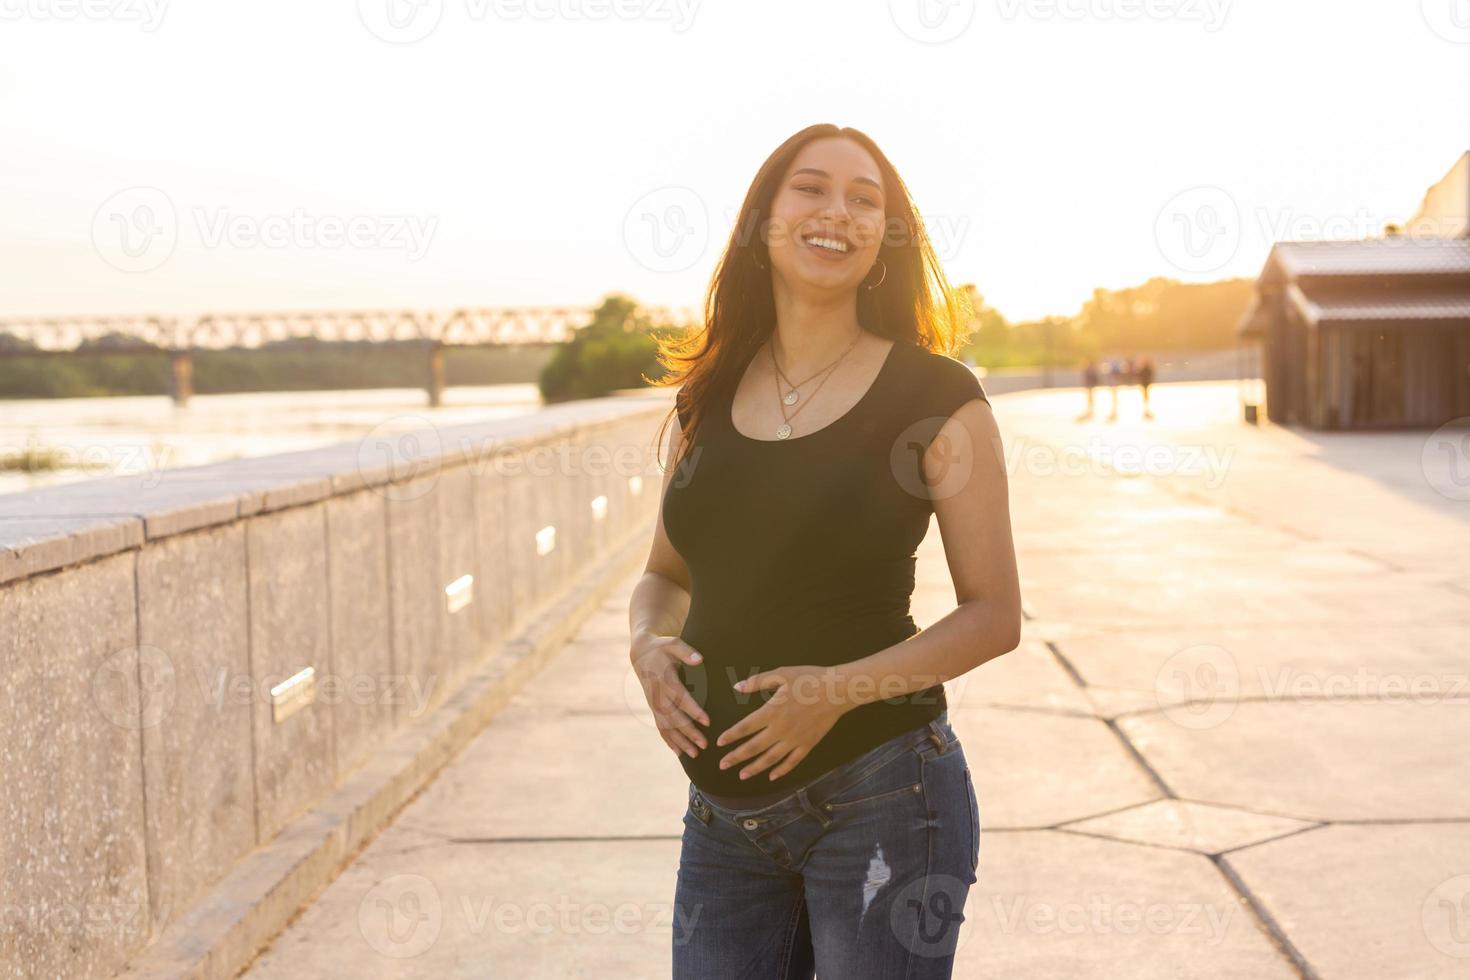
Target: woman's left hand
[789, 725]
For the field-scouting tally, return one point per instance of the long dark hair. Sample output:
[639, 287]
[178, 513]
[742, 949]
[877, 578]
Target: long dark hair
[913, 302]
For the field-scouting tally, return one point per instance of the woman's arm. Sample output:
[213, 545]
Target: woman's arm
[965, 469]
[656, 613]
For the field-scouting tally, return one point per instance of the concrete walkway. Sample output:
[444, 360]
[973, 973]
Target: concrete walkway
[1232, 744]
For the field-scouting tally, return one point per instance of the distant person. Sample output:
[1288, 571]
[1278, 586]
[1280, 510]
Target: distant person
[1146, 378]
[1114, 377]
[1089, 381]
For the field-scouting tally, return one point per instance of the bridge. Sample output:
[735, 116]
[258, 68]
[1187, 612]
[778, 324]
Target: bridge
[180, 336]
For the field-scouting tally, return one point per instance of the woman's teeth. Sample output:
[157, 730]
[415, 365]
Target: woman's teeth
[830, 244]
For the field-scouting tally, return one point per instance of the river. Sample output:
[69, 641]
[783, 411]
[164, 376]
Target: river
[95, 437]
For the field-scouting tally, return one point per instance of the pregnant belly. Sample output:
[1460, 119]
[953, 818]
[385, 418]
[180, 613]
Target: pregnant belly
[712, 687]
[711, 682]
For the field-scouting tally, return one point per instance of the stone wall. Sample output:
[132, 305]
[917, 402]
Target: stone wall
[150, 627]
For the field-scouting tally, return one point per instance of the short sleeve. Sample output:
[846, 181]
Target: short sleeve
[956, 386]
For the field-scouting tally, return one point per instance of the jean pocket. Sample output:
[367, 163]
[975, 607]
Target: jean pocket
[895, 778]
[974, 821]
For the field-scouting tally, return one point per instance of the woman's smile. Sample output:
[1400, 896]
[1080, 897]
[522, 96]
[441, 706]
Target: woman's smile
[830, 248]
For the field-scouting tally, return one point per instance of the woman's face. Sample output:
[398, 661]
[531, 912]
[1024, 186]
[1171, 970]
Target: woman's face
[826, 221]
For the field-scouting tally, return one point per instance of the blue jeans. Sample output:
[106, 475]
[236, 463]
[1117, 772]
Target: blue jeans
[862, 873]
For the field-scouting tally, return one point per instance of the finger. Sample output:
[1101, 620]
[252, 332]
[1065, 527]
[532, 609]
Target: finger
[767, 758]
[759, 682]
[792, 761]
[675, 700]
[673, 720]
[677, 742]
[686, 703]
[694, 735]
[681, 651]
[747, 749]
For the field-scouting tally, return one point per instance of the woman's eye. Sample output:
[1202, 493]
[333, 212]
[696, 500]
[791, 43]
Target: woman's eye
[814, 189]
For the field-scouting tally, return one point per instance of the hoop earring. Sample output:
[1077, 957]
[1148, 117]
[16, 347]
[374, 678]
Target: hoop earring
[880, 278]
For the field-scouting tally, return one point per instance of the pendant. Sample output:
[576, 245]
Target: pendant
[783, 432]
[791, 397]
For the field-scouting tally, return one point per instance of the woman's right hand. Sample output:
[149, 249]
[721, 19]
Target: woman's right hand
[656, 660]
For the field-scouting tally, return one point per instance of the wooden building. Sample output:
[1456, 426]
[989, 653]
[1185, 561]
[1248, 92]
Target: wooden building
[1375, 333]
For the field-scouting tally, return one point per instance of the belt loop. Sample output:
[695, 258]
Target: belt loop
[936, 735]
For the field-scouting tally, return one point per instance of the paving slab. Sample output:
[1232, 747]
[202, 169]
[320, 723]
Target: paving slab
[1028, 677]
[1315, 760]
[1388, 901]
[1039, 769]
[555, 774]
[1189, 826]
[478, 911]
[1058, 906]
[1140, 670]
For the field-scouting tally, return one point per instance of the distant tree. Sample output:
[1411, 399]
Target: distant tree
[615, 350]
[1165, 314]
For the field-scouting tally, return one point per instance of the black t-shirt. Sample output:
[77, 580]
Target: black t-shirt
[802, 551]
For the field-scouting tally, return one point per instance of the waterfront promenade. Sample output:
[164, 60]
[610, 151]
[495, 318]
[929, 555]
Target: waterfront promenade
[1230, 745]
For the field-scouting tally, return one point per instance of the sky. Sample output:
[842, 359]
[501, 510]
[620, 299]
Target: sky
[172, 157]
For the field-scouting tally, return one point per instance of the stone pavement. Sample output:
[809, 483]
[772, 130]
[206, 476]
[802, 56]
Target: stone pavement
[1232, 744]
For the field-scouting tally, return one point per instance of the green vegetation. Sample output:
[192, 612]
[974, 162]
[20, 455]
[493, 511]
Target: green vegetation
[1160, 315]
[292, 368]
[617, 350]
[34, 458]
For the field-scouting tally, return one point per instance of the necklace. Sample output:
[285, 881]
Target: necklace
[791, 396]
[783, 430]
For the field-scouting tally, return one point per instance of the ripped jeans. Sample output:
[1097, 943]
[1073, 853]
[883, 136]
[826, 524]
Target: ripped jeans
[862, 873]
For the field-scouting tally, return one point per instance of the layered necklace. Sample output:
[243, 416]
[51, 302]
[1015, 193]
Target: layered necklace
[792, 396]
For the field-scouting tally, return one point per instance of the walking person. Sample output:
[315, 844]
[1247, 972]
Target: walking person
[1146, 378]
[1089, 381]
[1112, 371]
[832, 824]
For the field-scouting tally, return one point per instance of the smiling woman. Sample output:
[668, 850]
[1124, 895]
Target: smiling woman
[832, 824]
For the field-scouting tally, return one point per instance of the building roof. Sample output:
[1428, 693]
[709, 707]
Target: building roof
[1377, 305]
[1400, 255]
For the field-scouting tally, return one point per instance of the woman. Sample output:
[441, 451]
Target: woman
[832, 823]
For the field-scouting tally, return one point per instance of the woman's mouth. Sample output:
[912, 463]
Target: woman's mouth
[830, 247]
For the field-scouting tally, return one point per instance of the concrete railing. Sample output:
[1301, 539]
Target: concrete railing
[195, 658]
